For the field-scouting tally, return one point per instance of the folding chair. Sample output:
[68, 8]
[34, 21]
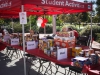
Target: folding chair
[11, 51]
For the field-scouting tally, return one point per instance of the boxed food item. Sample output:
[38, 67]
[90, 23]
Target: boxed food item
[64, 44]
[54, 53]
[51, 42]
[93, 58]
[79, 61]
[57, 42]
[88, 52]
[40, 44]
[76, 51]
[97, 56]
[69, 52]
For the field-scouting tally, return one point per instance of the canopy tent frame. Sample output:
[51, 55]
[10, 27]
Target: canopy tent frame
[22, 8]
[24, 5]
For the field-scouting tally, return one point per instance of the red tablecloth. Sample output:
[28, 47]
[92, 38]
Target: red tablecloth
[2, 46]
[93, 70]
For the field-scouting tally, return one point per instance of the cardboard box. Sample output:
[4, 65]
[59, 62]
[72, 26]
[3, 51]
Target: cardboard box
[69, 52]
[79, 61]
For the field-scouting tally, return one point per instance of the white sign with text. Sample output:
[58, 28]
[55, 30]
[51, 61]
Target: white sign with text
[61, 53]
[0, 34]
[31, 45]
[15, 41]
[6, 38]
[23, 18]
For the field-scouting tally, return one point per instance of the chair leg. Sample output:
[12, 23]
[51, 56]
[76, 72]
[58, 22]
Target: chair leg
[47, 68]
[57, 67]
[68, 72]
[71, 73]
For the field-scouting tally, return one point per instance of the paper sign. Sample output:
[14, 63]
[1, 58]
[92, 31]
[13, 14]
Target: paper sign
[15, 41]
[0, 34]
[61, 53]
[6, 38]
[23, 18]
[31, 45]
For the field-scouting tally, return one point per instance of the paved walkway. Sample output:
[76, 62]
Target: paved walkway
[12, 66]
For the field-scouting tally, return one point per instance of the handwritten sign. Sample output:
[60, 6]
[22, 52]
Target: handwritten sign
[61, 53]
[15, 41]
[31, 45]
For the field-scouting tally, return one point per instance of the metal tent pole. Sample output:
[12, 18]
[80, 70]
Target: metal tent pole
[54, 24]
[12, 23]
[91, 33]
[44, 28]
[22, 8]
[30, 23]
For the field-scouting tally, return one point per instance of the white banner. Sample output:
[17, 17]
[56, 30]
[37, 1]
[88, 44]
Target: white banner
[15, 41]
[31, 45]
[23, 18]
[61, 53]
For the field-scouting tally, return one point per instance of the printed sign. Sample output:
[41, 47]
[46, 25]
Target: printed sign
[6, 38]
[61, 53]
[0, 34]
[31, 45]
[23, 18]
[15, 41]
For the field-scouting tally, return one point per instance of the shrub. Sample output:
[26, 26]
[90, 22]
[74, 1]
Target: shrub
[97, 37]
[86, 31]
[71, 26]
[48, 29]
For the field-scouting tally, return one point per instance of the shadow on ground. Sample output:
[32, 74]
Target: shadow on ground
[13, 67]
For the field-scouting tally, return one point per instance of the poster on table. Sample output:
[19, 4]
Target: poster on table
[61, 53]
[0, 34]
[23, 18]
[6, 38]
[15, 41]
[31, 45]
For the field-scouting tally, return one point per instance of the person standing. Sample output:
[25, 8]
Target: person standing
[76, 34]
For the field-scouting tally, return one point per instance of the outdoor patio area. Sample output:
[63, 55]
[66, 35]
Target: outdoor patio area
[12, 66]
[15, 66]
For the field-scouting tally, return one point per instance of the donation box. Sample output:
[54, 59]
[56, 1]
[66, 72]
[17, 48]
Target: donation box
[79, 61]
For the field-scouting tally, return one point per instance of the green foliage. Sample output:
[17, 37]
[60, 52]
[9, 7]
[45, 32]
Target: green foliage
[49, 18]
[87, 31]
[1, 21]
[17, 27]
[48, 29]
[70, 26]
[98, 8]
[97, 37]
[85, 16]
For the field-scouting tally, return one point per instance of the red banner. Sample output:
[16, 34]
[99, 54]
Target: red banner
[61, 3]
[7, 4]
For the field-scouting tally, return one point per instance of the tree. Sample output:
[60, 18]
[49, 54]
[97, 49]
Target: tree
[98, 9]
[32, 23]
[1, 21]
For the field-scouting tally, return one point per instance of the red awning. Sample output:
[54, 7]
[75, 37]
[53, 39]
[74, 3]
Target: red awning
[42, 7]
